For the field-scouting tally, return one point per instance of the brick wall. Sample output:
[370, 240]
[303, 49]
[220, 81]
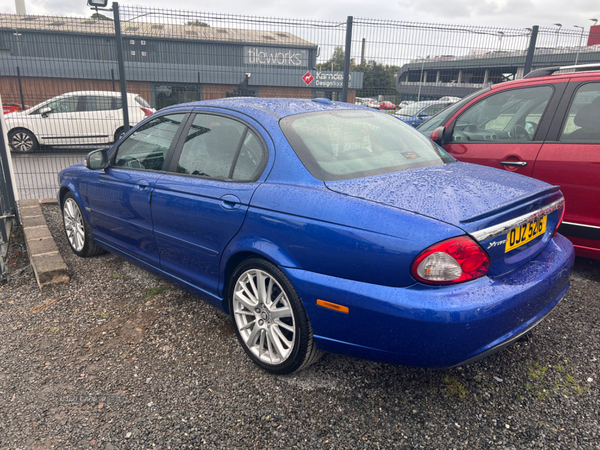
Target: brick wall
[37, 90]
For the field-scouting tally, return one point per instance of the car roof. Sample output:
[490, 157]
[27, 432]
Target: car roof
[280, 107]
[554, 78]
[97, 93]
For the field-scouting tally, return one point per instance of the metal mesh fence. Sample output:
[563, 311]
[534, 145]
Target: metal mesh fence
[404, 61]
[64, 71]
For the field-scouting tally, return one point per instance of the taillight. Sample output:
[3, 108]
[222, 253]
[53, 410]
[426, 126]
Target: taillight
[147, 112]
[451, 261]
[562, 216]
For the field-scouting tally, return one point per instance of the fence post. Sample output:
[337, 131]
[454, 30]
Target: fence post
[122, 79]
[347, 59]
[531, 50]
[20, 88]
[9, 213]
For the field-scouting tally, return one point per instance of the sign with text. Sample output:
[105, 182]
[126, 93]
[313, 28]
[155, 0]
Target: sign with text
[326, 79]
[273, 56]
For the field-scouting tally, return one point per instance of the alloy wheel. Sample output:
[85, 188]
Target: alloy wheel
[74, 224]
[22, 142]
[264, 316]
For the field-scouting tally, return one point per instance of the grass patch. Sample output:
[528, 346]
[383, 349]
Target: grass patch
[148, 293]
[453, 388]
[549, 381]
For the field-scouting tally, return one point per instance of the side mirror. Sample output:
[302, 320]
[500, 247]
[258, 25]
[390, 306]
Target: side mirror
[437, 135]
[96, 160]
[45, 111]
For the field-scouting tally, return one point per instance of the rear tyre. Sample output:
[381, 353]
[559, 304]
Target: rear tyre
[269, 318]
[22, 141]
[78, 229]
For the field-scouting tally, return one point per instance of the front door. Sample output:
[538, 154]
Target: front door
[59, 126]
[120, 196]
[500, 130]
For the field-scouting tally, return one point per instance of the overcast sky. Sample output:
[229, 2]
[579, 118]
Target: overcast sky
[501, 13]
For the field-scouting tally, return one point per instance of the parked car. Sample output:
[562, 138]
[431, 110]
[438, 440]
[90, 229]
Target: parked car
[419, 112]
[10, 107]
[386, 105]
[405, 103]
[325, 227]
[450, 99]
[366, 101]
[545, 126]
[74, 118]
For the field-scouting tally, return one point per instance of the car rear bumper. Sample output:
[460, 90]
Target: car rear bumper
[435, 326]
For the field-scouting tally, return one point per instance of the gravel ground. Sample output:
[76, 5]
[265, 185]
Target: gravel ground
[119, 359]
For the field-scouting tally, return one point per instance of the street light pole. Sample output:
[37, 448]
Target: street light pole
[580, 40]
[500, 36]
[421, 78]
[559, 25]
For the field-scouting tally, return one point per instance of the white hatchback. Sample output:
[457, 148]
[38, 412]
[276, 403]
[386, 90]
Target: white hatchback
[74, 118]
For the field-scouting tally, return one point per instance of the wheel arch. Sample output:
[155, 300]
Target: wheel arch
[19, 127]
[233, 257]
[70, 188]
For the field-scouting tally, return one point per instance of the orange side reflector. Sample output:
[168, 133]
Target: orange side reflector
[334, 306]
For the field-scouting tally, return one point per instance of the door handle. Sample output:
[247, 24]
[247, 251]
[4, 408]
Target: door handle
[142, 185]
[514, 163]
[230, 201]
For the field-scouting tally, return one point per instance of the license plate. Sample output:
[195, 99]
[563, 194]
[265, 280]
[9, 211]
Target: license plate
[525, 233]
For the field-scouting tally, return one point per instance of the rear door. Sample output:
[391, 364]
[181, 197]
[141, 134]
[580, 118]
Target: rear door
[100, 119]
[505, 129]
[570, 158]
[201, 203]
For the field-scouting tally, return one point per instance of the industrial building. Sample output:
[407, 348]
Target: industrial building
[42, 56]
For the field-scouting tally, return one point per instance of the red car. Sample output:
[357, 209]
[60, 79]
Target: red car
[10, 107]
[543, 126]
[386, 105]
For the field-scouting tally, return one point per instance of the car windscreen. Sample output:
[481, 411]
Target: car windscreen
[343, 145]
[444, 115]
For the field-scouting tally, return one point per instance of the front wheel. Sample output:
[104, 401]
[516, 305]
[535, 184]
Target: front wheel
[78, 229]
[269, 318]
[22, 141]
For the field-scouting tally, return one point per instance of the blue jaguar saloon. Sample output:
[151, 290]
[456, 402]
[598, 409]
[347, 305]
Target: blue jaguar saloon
[325, 227]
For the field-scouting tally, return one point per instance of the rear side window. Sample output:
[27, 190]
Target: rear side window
[583, 119]
[511, 115]
[97, 103]
[220, 148]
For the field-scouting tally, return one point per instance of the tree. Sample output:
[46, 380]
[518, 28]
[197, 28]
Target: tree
[377, 76]
[99, 16]
[336, 62]
[197, 23]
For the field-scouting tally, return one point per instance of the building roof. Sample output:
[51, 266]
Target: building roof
[149, 29]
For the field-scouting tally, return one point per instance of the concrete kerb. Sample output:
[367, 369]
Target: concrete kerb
[48, 265]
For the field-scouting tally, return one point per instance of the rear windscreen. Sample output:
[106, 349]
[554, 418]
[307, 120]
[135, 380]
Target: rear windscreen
[342, 145]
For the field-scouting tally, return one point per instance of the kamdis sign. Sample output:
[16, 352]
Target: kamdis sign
[333, 80]
[272, 56]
